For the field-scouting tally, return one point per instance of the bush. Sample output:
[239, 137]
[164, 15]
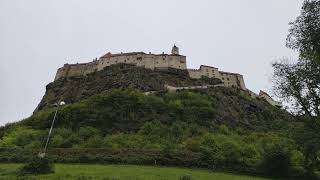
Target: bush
[21, 136]
[192, 145]
[277, 162]
[94, 142]
[186, 177]
[36, 166]
[87, 132]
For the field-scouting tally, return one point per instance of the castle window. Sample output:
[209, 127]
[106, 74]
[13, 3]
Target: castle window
[139, 58]
[223, 78]
[181, 61]
[228, 79]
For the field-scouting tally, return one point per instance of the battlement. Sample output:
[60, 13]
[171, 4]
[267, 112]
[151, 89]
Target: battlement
[150, 61]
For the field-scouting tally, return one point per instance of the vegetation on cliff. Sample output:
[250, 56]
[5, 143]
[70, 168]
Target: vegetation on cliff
[216, 128]
[120, 76]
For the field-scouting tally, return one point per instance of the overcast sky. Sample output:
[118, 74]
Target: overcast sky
[39, 36]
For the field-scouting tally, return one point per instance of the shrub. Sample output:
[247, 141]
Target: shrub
[186, 177]
[94, 142]
[36, 166]
[277, 162]
[192, 145]
[21, 136]
[87, 132]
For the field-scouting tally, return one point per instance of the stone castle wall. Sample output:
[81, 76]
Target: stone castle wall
[150, 61]
[228, 79]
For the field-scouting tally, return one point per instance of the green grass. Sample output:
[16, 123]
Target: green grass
[122, 172]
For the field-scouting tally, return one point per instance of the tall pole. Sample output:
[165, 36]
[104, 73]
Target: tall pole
[48, 138]
[42, 154]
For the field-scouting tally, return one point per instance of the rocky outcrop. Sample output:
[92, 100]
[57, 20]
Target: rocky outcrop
[120, 76]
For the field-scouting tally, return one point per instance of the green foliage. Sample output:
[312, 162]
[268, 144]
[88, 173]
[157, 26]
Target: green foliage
[304, 33]
[277, 161]
[37, 166]
[186, 177]
[22, 137]
[299, 84]
[128, 110]
[87, 132]
[250, 153]
[120, 76]
[94, 142]
[192, 144]
[216, 128]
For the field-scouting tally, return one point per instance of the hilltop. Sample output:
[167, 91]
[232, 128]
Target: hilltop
[119, 76]
[223, 105]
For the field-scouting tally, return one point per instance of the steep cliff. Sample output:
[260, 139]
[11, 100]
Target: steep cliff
[119, 76]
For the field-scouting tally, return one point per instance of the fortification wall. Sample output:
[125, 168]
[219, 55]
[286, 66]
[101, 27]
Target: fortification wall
[207, 71]
[232, 79]
[76, 69]
[228, 79]
[150, 61]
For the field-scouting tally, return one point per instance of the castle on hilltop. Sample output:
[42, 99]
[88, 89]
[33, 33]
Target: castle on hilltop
[151, 61]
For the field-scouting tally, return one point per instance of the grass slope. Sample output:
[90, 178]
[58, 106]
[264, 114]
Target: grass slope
[122, 172]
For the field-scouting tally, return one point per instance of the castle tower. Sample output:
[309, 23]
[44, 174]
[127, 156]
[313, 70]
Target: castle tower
[175, 50]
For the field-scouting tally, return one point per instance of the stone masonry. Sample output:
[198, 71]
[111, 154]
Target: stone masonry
[151, 61]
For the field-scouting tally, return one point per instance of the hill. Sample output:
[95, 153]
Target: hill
[115, 99]
[120, 76]
[123, 114]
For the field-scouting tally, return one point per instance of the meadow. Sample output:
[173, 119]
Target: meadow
[123, 172]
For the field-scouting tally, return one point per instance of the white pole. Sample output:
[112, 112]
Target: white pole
[54, 118]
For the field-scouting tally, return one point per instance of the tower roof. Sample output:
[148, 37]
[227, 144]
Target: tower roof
[175, 50]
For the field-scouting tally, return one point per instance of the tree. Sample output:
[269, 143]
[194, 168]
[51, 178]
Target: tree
[300, 82]
[304, 33]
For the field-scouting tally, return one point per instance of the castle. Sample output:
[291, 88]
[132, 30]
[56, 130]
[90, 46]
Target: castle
[151, 61]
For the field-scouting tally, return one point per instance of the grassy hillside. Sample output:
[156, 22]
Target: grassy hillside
[123, 172]
[127, 110]
[110, 119]
[217, 128]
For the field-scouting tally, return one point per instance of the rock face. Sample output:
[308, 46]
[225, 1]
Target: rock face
[119, 76]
